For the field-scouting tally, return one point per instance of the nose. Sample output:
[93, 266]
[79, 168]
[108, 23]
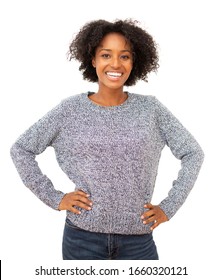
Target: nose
[115, 62]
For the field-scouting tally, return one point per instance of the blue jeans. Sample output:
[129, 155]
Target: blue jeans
[79, 244]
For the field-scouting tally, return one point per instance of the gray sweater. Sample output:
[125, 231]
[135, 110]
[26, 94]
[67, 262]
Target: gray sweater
[112, 153]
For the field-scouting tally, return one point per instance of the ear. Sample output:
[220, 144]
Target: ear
[94, 63]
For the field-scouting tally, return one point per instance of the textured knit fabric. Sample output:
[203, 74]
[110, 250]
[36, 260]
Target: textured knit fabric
[112, 153]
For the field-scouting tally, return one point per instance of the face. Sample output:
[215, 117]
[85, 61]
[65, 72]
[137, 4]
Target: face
[113, 61]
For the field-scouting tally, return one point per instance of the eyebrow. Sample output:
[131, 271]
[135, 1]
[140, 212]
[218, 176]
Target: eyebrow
[109, 50]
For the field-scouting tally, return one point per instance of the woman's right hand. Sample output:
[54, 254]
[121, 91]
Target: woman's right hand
[77, 198]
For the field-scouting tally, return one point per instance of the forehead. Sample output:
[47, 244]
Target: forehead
[114, 40]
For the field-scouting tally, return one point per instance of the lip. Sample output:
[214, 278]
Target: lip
[113, 75]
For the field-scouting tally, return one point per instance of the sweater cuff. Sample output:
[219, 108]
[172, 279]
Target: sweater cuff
[56, 201]
[166, 206]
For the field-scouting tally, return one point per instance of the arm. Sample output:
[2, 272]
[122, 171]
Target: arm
[31, 143]
[185, 148]
[188, 151]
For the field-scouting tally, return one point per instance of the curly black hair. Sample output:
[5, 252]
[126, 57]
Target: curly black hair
[145, 55]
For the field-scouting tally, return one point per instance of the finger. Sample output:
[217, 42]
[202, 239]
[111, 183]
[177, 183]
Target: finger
[149, 205]
[81, 205]
[82, 199]
[80, 192]
[156, 224]
[149, 220]
[74, 210]
[147, 214]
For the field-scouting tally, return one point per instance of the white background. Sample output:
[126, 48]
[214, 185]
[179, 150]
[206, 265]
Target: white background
[35, 75]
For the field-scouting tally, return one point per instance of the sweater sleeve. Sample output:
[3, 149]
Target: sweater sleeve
[185, 148]
[31, 143]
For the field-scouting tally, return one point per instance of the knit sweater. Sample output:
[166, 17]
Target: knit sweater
[112, 153]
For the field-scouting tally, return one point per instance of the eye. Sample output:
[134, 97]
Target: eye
[125, 57]
[105, 55]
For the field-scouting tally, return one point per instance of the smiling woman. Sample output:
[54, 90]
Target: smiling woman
[113, 62]
[109, 144]
[142, 46]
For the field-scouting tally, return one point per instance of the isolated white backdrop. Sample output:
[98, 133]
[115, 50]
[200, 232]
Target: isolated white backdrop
[36, 75]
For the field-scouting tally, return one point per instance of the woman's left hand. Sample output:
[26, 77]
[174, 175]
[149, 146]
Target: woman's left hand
[154, 215]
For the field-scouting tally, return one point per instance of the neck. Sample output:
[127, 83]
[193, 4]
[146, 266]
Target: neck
[109, 97]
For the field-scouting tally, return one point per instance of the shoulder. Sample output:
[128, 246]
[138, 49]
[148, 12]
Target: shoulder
[72, 103]
[72, 100]
[145, 101]
[150, 100]
[150, 104]
[65, 107]
[146, 98]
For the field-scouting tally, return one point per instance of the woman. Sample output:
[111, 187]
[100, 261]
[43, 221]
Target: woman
[109, 144]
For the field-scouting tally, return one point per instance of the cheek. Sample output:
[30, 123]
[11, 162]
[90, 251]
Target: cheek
[131, 64]
[99, 64]
[130, 67]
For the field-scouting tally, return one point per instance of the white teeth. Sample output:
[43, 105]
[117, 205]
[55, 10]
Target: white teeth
[114, 74]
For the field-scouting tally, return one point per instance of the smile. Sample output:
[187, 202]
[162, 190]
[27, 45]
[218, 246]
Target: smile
[114, 74]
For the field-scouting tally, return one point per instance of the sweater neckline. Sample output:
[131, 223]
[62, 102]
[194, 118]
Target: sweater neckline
[113, 107]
